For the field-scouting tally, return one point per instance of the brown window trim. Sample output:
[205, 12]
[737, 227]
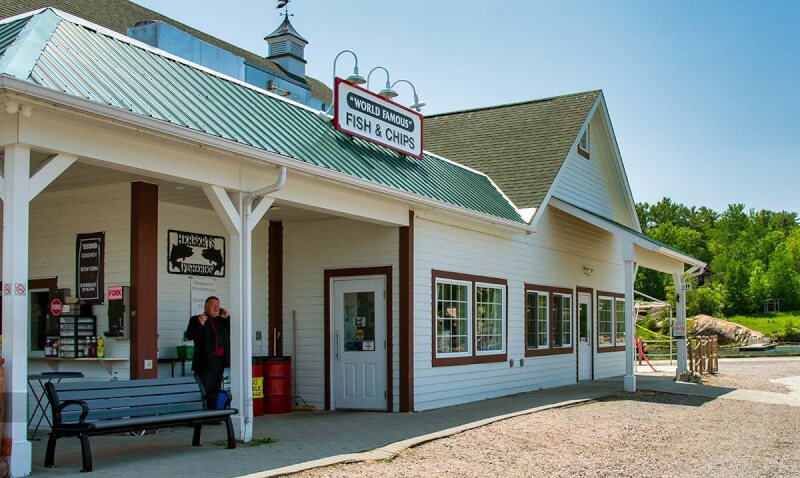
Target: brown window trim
[474, 358]
[613, 348]
[551, 349]
[582, 152]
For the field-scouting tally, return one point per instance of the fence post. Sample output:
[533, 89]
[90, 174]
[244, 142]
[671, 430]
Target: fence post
[691, 355]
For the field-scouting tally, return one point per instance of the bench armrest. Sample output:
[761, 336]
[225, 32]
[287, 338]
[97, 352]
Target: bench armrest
[66, 403]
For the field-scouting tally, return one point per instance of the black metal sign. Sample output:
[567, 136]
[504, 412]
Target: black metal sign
[189, 253]
[90, 257]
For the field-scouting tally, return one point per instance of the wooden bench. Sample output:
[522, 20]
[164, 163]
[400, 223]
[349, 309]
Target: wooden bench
[84, 409]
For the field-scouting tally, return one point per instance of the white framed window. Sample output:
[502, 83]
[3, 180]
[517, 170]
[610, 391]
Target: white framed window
[605, 321]
[562, 335]
[453, 318]
[490, 318]
[537, 319]
[584, 144]
[619, 321]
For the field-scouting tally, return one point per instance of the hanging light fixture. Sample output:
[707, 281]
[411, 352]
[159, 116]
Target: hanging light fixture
[417, 103]
[387, 92]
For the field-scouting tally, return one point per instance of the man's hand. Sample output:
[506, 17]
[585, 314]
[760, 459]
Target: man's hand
[202, 319]
[224, 313]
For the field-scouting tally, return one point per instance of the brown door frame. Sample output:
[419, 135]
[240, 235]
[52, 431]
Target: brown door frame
[385, 271]
[590, 291]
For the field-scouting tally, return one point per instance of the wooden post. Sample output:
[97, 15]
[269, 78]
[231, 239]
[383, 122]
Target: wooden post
[691, 356]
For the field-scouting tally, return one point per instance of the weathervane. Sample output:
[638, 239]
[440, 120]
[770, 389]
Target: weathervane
[285, 5]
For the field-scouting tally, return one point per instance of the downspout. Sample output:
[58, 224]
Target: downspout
[247, 285]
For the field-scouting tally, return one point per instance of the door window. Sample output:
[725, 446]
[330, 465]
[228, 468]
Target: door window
[359, 321]
[583, 319]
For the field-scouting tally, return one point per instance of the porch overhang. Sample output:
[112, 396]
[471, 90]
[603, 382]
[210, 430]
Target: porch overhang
[647, 252]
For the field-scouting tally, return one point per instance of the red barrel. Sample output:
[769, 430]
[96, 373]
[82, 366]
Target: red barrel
[258, 387]
[278, 387]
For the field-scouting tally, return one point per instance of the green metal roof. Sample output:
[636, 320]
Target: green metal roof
[119, 15]
[78, 60]
[529, 141]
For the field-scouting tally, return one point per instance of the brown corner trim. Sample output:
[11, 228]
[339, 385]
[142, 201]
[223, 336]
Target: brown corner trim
[604, 349]
[407, 315]
[275, 287]
[356, 272]
[474, 358]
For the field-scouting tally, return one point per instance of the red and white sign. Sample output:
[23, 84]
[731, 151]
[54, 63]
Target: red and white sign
[20, 289]
[115, 293]
[7, 288]
[368, 116]
[56, 306]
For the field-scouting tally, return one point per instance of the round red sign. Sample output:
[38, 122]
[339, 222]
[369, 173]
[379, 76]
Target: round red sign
[56, 306]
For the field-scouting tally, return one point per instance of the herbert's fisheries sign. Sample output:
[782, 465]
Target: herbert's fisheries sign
[364, 114]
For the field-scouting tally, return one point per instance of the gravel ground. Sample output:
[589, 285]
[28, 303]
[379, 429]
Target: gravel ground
[755, 375]
[641, 435]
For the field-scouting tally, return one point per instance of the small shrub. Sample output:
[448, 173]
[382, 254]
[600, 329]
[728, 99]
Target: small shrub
[790, 333]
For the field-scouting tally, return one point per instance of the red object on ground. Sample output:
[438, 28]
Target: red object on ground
[56, 306]
[258, 389]
[278, 384]
[642, 354]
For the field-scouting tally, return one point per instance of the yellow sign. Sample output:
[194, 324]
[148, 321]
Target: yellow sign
[258, 387]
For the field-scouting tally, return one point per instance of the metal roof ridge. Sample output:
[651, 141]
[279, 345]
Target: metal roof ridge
[21, 56]
[516, 103]
[31, 13]
[480, 173]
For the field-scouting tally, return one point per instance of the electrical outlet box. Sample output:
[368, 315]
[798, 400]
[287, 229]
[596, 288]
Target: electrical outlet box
[148, 364]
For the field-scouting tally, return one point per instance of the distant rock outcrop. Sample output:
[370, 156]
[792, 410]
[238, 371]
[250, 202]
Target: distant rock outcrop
[727, 332]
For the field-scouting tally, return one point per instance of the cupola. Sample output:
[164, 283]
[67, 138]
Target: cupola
[287, 48]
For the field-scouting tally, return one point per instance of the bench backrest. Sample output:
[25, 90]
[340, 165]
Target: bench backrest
[125, 398]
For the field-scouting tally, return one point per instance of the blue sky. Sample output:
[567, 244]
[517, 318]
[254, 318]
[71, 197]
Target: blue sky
[704, 96]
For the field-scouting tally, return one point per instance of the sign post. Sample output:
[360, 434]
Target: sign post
[366, 115]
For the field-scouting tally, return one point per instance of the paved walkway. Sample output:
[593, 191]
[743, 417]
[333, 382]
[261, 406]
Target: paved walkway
[334, 437]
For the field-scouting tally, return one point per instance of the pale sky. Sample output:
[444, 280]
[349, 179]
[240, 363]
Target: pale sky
[704, 96]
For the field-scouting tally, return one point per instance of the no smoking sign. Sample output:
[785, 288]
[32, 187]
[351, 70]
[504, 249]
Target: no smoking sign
[20, 289]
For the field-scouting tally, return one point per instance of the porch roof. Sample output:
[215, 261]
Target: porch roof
[638, 238]
[63, 53]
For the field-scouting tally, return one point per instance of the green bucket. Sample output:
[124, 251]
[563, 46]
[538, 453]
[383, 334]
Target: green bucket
[185, 352]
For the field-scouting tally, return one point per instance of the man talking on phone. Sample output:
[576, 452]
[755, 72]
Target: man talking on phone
[211, 333]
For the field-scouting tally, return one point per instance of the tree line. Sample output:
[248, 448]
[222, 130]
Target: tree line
[753, 255]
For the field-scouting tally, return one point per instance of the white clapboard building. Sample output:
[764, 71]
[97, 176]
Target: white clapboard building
[500, 261]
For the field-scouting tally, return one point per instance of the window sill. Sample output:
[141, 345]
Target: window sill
[584, 154]
[610, 348]
[451, 361]
[552, 351]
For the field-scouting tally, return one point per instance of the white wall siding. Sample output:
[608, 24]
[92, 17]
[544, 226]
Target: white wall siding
[57, 218]
[609, 364]
[555, 256]
[311, 247]
[595, 184]
[173, 289]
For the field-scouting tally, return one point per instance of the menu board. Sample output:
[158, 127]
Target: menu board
[90, 257]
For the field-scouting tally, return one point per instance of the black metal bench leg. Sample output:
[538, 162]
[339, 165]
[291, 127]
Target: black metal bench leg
[50, 454]
[196, 436]
[231, 436]
[86, 453]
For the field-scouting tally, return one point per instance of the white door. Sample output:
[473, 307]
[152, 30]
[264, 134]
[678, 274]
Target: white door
[359, 343]
[584, 336]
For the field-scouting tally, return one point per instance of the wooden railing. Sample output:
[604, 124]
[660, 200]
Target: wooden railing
[703, 354]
